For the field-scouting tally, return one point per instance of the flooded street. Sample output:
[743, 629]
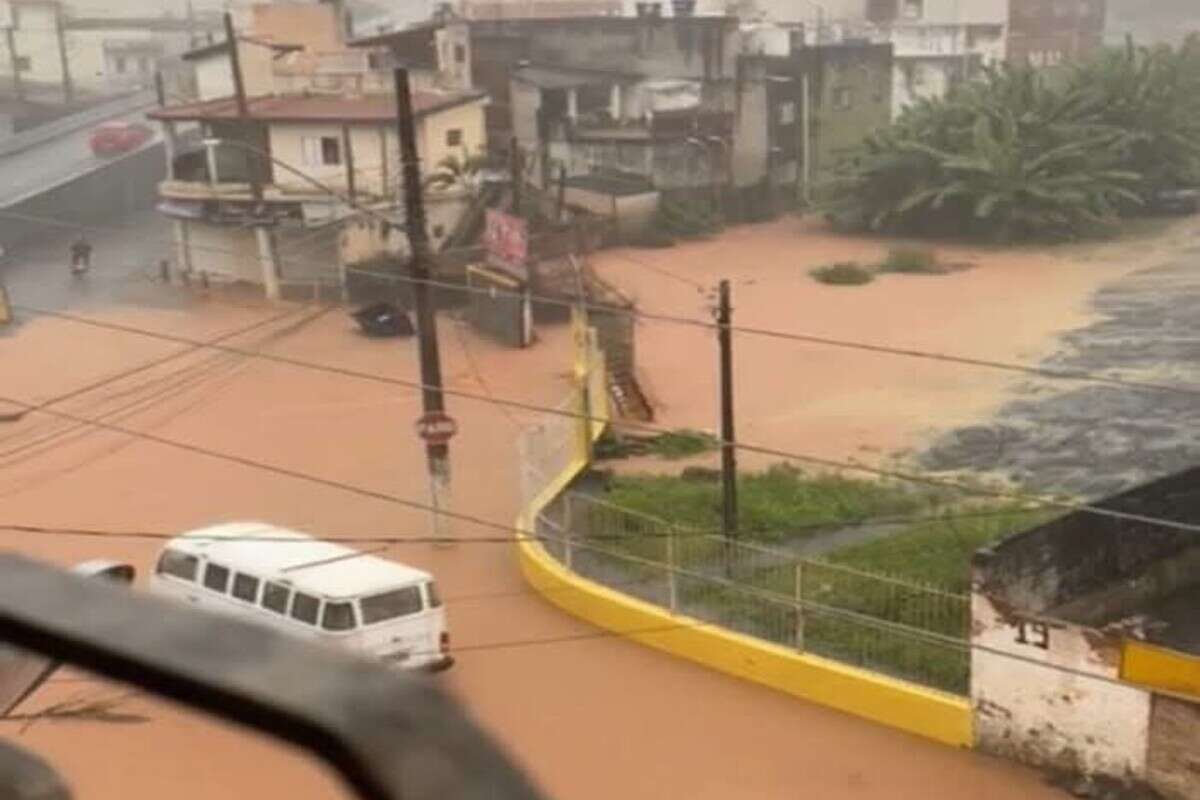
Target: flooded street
[592, 717]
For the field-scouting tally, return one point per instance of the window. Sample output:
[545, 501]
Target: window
[275, 598]
[913, 9]
[391, 605]
[787, 113]
[178, 565]
[304, 608]
[338, 617]
[454, 137]
[435, 600]
[321, 151]
[245, 587]
[24, 64]
[460, 53]
[843, 99]
[119, 65]
[216, 578]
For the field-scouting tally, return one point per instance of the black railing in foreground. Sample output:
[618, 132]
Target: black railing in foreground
[389, 735]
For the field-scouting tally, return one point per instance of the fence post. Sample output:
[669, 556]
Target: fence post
[800, 604]
[672, 588]
[568, 536]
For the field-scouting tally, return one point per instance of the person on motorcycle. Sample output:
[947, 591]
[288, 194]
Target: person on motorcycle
[81, 254]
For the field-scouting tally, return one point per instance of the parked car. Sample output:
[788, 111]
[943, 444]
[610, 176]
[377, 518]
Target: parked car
[114, 138]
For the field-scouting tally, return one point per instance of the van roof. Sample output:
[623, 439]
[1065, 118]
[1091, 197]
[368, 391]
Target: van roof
[307, 564]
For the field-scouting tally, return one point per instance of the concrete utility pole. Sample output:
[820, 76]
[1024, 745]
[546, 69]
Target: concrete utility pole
[67, 86]
[268, 259]
[435, 426]
[10, 38]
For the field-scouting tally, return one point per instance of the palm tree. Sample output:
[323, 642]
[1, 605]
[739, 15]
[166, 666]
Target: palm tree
[455, 173]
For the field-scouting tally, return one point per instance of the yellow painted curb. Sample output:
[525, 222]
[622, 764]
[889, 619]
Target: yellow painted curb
[936, 715]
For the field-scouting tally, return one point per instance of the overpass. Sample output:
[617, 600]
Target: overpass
[50, 172]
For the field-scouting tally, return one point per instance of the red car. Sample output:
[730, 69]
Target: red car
[114, 138]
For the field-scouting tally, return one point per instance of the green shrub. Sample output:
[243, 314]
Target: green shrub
[845, 273]
[911, 260]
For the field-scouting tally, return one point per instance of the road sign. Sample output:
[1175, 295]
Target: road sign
[506, 238]
[436, 427]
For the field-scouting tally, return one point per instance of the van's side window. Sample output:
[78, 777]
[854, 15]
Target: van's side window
[338, 617]
[245, 587]
[435, 600]
[178, 565]
[216, 578]
[275, 598]
[304, 608]
[390, 605]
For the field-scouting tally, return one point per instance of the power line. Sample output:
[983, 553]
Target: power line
[806, 338]
[422, 539]
[191, 374]
[829, 463]
[1044, 372]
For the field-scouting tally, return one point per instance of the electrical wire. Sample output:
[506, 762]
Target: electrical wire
[828, 463]
[1082, 376]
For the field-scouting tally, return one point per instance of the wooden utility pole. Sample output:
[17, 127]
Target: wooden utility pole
[515, 168]
[729, 512]
[243, 107]
[351, 185]
[191, 24]
[68, 86]
[10, 38]
[267, 256]
[434, 426]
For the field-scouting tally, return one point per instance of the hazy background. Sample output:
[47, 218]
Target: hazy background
[1147, 20]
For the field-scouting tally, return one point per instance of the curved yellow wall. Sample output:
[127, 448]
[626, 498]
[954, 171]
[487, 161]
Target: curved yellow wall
[942, 717]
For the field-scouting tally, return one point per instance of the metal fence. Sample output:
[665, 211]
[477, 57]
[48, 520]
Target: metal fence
[912, 631]
[908, 630]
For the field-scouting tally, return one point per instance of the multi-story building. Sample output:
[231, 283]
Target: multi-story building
[34, 54]
[115, 54]
[935, 43]
[261, 196]
[1049, 32]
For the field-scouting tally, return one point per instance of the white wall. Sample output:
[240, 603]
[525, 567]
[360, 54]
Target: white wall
[227, 251]
[1027, 711]
[214, 79]
[36, 39]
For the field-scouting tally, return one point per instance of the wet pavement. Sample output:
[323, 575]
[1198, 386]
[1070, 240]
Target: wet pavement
[125, 268]
[1095, 439]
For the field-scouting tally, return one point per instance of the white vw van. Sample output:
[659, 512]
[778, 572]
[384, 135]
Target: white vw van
[312, 588]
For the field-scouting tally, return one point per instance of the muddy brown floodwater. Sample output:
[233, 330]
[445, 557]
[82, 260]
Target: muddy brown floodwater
[592, 717]
[832, 402]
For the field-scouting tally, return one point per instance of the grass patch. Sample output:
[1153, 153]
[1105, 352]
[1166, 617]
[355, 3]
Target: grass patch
[672, 445]
[854, 599]
[912, 261]
[845, 273]
[779, 503]
[939, 552]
